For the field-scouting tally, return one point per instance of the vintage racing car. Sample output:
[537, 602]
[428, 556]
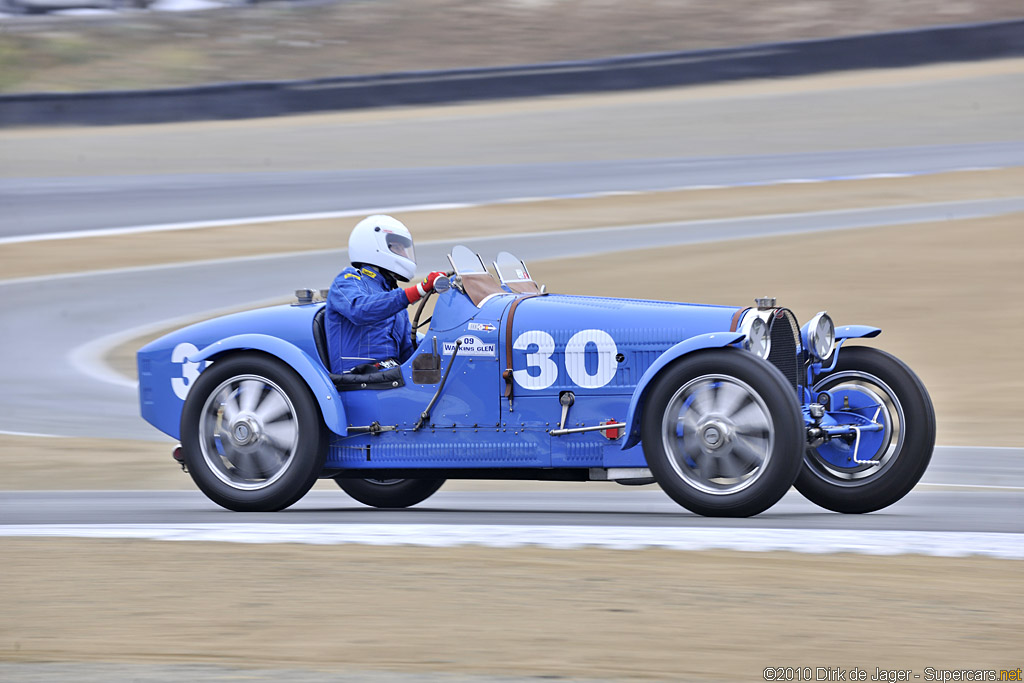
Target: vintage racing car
[725, 408]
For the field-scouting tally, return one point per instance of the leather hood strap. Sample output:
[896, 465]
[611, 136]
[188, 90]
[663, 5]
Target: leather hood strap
[736, 318]
[507, 374]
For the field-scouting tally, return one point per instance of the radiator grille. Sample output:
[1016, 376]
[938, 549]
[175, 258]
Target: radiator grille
[785, 335]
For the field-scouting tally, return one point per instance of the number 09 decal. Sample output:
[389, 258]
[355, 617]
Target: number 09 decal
[541, 372]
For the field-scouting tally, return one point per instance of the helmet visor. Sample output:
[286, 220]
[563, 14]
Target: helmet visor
[400, 245]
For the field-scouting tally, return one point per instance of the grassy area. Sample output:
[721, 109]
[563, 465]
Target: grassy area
[287, 41]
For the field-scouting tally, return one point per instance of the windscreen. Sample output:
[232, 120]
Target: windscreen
[466, 262]
[513, 274]
[473, 277]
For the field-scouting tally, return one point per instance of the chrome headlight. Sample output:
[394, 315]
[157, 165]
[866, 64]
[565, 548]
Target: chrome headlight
[821, 336]
[757, 341]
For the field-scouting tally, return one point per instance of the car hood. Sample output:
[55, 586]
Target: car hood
[640, 331]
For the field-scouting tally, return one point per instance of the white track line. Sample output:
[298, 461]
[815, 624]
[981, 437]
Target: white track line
[4, 432]
[198, 225]
[985, 487]
[813, 541]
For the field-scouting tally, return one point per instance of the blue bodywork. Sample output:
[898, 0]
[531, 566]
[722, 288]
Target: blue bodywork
[605, 351]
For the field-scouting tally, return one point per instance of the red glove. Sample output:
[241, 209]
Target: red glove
[414, 294]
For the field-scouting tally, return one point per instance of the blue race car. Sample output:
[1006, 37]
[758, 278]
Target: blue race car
[725, 408]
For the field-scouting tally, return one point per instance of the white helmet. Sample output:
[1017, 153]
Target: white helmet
[384, 242]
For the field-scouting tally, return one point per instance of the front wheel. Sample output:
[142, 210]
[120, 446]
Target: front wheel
[722, 433]
[251, 434]
[871, 473]
[389, 493]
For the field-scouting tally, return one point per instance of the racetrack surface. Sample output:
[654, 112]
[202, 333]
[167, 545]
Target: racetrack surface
[37, 207]
[971, 501]
[933, 507]
[946, 104]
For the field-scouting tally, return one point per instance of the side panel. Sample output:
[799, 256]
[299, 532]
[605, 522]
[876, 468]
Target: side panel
[169, 366]
[470, 396]
[435, 448]
[704, 341]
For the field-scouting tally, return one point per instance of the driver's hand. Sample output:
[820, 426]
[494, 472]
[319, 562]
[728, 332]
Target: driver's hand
[428, 281]
[421, 288]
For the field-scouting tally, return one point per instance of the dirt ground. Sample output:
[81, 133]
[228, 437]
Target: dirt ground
[642, 615]
[310, 40]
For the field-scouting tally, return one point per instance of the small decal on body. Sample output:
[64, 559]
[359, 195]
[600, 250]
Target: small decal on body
[471, 346]
[481, 327]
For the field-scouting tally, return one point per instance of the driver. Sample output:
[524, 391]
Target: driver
[366, 319]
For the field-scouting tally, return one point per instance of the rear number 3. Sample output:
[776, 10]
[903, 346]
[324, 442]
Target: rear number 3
[541, 372]
[189, 371]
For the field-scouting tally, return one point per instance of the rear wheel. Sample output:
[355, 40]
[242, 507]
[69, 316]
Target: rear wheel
[855, 476]
[722, 433]
[251, 434]
[390, 493]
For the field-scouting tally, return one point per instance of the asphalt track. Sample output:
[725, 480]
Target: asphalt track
[35, 207]
[938, 504]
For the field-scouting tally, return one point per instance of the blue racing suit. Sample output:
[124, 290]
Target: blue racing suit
[366, 320]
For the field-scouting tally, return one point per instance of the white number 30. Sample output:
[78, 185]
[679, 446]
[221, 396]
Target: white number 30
[575, 359]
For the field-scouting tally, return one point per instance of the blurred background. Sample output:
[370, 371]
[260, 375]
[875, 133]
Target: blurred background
[116, 44]
[888, 196]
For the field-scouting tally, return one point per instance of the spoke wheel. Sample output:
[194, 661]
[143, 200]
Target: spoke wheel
[389, 493]
[718, 433]
[877, 385]
[722, 433]
[252, 435]
[248, 432]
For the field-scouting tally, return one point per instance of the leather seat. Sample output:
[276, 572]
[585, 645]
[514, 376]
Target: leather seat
[320, 336]
[376, 379]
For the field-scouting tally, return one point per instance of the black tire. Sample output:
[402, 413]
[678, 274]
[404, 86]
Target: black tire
[390, 493]
[270, 453]
[906, 448]
[752, 409]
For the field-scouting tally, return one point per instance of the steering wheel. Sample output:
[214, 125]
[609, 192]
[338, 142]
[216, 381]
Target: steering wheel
[416, 324]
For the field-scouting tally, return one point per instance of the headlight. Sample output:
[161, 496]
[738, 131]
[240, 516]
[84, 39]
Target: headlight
[757, 341]
[821, 336]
